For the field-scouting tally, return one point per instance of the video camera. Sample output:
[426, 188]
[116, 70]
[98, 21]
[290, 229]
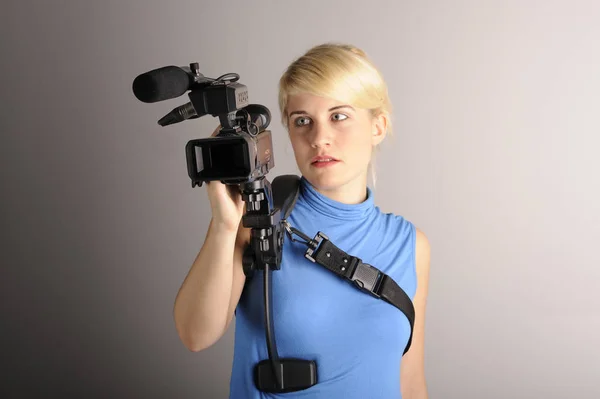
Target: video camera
[242, 151]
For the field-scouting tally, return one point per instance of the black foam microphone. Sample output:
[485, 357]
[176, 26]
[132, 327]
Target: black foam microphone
[162, 84]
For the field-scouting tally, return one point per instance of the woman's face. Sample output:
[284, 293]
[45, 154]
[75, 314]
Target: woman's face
[333, 143]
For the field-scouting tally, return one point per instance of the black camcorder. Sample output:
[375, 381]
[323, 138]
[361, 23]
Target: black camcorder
[242, 151]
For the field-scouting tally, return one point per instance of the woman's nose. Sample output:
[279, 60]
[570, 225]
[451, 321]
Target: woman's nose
[321, 135]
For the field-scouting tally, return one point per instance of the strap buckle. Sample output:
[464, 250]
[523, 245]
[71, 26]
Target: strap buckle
[313, 245]
[368, 278]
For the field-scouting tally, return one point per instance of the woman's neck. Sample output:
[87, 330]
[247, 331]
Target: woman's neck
[352, 192]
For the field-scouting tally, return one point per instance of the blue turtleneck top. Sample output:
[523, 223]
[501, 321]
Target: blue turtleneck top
[356, 339]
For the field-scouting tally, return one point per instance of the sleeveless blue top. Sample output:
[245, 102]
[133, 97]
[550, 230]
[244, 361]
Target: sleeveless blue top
[356, 339]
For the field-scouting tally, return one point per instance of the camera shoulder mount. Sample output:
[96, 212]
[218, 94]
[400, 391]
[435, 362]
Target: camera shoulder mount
[241, 155]
[264, 253]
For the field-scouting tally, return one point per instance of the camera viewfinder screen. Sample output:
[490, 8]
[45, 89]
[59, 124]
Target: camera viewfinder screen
[222, 159]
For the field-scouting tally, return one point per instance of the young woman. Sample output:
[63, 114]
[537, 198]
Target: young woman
[335, 107]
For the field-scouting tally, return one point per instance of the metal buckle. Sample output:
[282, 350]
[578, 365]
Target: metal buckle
[313, 245]
[287, 227]
[368, 279]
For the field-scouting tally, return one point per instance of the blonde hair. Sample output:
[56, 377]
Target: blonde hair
[342, 72]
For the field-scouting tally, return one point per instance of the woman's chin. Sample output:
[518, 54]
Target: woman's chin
[323, 181]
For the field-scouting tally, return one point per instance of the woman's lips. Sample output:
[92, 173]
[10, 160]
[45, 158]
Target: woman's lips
[324, 163]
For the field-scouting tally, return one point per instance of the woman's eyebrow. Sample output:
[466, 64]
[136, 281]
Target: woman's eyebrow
[302, 112]
[340, 106]
[299, 112]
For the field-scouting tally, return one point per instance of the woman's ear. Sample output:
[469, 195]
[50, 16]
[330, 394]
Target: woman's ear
[379, 128]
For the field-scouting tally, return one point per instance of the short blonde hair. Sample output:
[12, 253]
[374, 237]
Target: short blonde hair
[339, 71]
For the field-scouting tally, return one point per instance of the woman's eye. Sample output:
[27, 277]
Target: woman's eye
[302, 121]
[339, 117]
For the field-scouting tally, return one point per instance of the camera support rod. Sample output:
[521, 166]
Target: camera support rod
[264, 253]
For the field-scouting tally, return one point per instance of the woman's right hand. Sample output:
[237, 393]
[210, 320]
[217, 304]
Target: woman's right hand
[226, 202]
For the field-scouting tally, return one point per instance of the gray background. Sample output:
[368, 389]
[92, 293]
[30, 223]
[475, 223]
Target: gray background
[494, 156]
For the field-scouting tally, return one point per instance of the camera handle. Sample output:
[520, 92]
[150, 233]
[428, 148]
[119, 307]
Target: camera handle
[264, 253]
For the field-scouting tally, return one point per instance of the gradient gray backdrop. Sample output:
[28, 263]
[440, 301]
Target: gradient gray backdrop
[495, 157]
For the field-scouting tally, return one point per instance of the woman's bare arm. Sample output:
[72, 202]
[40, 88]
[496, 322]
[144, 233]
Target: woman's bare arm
[209, 294]
[412, 368]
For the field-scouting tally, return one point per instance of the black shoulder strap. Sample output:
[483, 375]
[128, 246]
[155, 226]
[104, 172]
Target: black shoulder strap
[365, 277]
[285, 189]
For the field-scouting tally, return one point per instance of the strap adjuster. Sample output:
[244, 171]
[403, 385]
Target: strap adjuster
[313, 245]
[368, 278]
